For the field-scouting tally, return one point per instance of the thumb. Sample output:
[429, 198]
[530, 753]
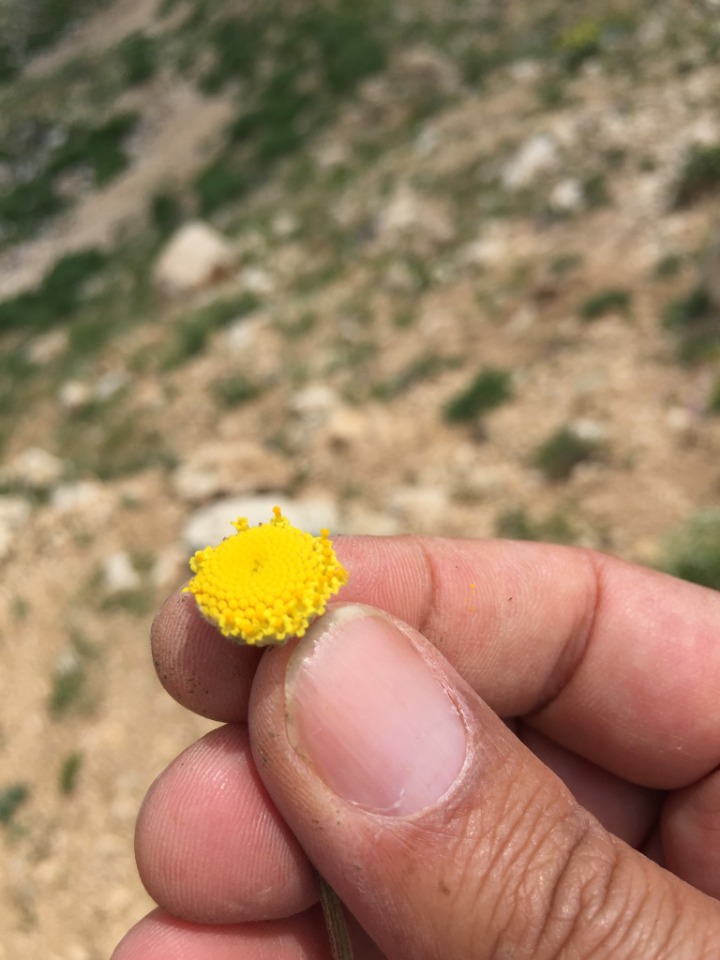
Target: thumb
[441, 832]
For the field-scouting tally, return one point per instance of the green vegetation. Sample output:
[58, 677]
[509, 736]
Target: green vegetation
[558, 456]
[193, 331]
[713, 404]
[58, 295]
[606, 301]
[693, 552]
[68, 687]
[696, 324]
[669, 266]
[138, 58]
[422, 368]
[699, 177]
[26, 204]
[488, 390]
[580, 42]
[69, 772]
[517, 524]
[12, 798]
[236, 390]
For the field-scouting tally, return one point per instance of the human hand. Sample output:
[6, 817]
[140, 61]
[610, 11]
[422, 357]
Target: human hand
[447, 832]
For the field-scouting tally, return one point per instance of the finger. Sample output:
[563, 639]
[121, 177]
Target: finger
[160, 936]
[690, 831]
[210, 845]
[630, 812]
[617, 663]
[197, 666]
[442, 833]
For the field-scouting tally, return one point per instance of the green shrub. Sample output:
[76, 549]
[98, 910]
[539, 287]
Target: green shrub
[699, 176]
[713, 404]
[138, 58]
[517, 524]
[99, 148]
[558, 456]
[693, 552]
[24, 207]
[69, 772]
[166, 213]
[579, 43]
[237, 45]
[696, 324]
[193, 331]
[607, 301]
[488, 390]
[235, 390]
[218, 184]
[58, 295]
[12, 798]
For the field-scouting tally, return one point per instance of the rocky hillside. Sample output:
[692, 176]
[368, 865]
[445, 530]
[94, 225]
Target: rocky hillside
[451, 270]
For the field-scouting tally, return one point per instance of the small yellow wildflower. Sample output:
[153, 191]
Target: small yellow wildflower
[265, 584]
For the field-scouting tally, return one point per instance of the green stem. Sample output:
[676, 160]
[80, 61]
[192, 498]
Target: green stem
[335, 921]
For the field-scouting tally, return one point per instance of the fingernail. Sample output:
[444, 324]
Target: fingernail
[366, 711]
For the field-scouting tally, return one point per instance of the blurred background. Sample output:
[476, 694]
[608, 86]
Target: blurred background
[448, 267]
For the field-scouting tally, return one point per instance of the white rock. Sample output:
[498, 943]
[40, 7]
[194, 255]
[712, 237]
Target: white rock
[196, 256]
[284, 224]
[119, 574]
[220, 468]
[14, 513]
[211, 524]
[422, 509]
[314, 404]
[74, 395]
[537, 155]
[256, 280]
[567, 196]
[81, 497]
[34, 468]
[409, 215]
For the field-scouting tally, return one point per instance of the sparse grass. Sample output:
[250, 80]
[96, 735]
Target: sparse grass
[669, 266]
[419, 370]
[558, 456]
[236, 390]
[69, 772]
[193, 331]
[58, 295]
[138, 58]
[490, 388]
[579, 43]
[68, 687]
[699, 176]
[517, 524]
[696, 324]
[613, 300]
[12, 797]
[693, 551]
[713, 403]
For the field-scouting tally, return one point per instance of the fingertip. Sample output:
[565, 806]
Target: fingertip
[210, 845]
[161, 936]
[201, 669]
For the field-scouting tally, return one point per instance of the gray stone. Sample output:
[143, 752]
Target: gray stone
[195, 257]
[119, 574]
[537, 155]
[219, 468]
[211, 524]
[34, 468]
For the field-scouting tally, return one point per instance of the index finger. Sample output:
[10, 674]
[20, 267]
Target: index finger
[617, 662]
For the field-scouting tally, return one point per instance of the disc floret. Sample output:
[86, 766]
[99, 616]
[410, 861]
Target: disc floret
[265, 584]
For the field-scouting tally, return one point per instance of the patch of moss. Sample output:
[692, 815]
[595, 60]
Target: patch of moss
[489, 389]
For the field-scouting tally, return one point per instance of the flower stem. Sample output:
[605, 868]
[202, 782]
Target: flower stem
[335, 921]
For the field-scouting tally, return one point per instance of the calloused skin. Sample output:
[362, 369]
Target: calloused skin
[609, 673]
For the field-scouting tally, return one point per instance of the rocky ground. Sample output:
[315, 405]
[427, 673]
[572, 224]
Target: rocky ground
[515, 222]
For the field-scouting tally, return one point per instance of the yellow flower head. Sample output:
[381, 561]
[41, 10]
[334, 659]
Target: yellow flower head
[265, 584]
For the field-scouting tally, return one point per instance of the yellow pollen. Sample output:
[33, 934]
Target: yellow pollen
[265, 584]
